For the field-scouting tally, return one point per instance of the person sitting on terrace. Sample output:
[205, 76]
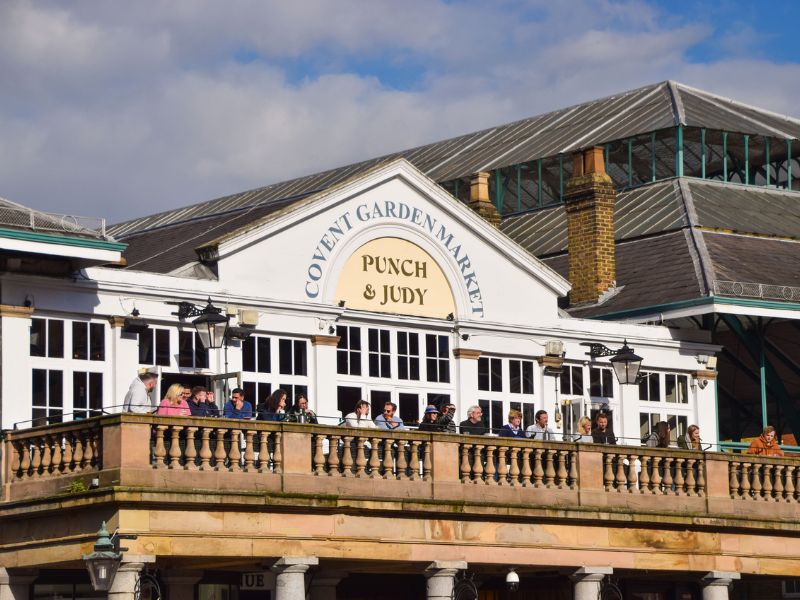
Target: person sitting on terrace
[659, 437]
[474, 424]
[601, 434]
[359, 418]
[237, 407]
[539, 430]
[198, 405]
[434, 420]
[274, 407]
[766, 444]
[512, 428]
[389, 420]
[300, 412]
[584, 433]
[138, 400]
[691, 440]
[213, 409]
[173, 404]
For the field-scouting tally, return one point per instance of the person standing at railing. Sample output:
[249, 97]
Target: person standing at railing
[237, 407]
[765, 444]
[173, 404]
[389, 420]
[138, 399]
[584, 433]
[539, 430]
[691, 439]
[601, 434]
[512, 428]
[474, 424]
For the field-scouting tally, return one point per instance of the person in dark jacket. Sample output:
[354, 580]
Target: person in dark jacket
[433, 420]
[274, 408]
[601, 434]
[513, 427]
[474, 424]
[300, 412]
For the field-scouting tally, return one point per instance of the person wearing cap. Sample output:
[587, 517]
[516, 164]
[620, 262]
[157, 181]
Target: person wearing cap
[138, 399]
[434, 420]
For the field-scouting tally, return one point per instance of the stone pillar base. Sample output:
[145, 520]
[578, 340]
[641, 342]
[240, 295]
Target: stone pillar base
[440, 577]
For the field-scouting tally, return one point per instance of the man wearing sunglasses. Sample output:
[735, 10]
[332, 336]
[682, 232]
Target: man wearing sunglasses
[388, 419]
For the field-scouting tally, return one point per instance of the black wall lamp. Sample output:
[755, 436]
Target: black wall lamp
[626, 364]
[103, 563]
[135, 323]
[210, 324]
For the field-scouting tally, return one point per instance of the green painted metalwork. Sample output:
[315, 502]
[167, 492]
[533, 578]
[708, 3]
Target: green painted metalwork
[52, 238]
[679, 151]
[703, 153]
[455, 188]
[539, 182]
[788, 164]
[560, 177]
[498, 191]
[519, 195]
[653, 156]
[746, 159]
[705, 301]
[762, 374]
[753, 342]
[630, 163]
[724, 156]
[766, 159]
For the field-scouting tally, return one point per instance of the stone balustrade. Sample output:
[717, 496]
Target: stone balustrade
[177, 453]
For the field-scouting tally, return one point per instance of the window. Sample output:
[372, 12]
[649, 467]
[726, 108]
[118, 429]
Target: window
[572, 380]
[408, 407]
[678, 425]
[348, 353]
[190, 351]
[346, 398]
[647, 423]
[438, 400]
[600, 382]
[256, 354]
[154, 347]
[292, 357]
[437, 352]
[520, 374]
[791, 588]
[490, 374]
[493, 416]
[87, 394]
[676, 388]
[88, 341]
[380, 358]
[650, 387]
[256, 392]
[47, 388]
[408, 355]
[377, 399]
[47, 338]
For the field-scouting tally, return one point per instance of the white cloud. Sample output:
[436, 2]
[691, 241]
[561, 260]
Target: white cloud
[126, 109]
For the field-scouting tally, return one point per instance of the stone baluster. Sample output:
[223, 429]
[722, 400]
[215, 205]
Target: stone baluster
[36, 458]
[175, 447]
[427, 463]
[235, 455]
[690, 482]
[632, 481]
[402, 462]
[502, 465]
[644, 475]
[58, 459]
[573, 470]
[205, 449]
[790, 487]
[69, 451]
[347, 456]
[527, 472]
[701, 477]
[490, 468]
[466, 470]
[277, 458]
[514, 462]
[16, 459]
[361, 461]
[678, 462]
[538, 471]
[219, 450]
[733, 479]
[561, 471]
[159, 451]
[263, 452]
[746, 487]
[477, 464]
[620, 480]
[375, 458]
[766, 482]
[608, 472]
[25, 459]
[47, 454]
[97, 456]
[779, 487]
[319, 455]
[191, 450]
[79, 449]
[756, 485]
[655, 476]
[667, 481]
[550, 472]
[333, 456]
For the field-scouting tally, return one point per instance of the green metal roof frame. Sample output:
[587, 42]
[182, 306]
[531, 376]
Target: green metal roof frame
[50, 238]
[660, 308]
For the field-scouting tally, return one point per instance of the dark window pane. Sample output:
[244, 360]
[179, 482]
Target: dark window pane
[577, 380]
[264, 390]
[386, 365]
[644, 386]
[200, 353]
[373, 365]
[655, 387]
[528, 413]
[341, 362]
[249, 388]
[79, 393]
[438, 400]
[483, 376]
[285, 357]
[376, 400]
[355, 363]
[497, 415]
[97, 341]
[486, 419]
[162, 347]
[414, 375]
[430, 365]
[594, 382]
[408, 407]
[527, 377]
[514, 377]
[186, 348]
[55, 338]
[39, 387]
[372, 336]
[346, 398]
[55, 381]
[402, 367]
[444, 371]
[608, 388]
[342, 333]
[444, 345]
[300, 366]
[430, 345]
[497, 375]
[80, 340]
[96, 393]
[355, 338]
[564, 381]
[402, 342]
[385, 340]
[249, 355]
[264, 354]
[38, 337]
[413, 339]
[146, 347]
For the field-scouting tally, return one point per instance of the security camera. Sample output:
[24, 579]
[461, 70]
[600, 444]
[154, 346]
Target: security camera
[702, 383]
[512, 581]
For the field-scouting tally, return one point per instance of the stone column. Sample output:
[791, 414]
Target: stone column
[15, 585]
[587, 582]
[124, 584]
[323, 585]
[180, 584]
[440, 575]
[717, 583]
[290, 580]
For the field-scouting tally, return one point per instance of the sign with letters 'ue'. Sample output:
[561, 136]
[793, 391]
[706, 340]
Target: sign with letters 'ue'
[392, 275]
[258, 580]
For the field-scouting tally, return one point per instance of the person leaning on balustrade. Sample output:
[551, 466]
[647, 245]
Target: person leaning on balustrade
[389, 420]
[584, 433]
[474, 424]
[173, 404]
[198, 405]
[659, 437]
[691, 439]
[601, 434]
[237, 407]
[359, 418]
[300, 413]
[765, 444]
[274, 407]
[138, 399]
[512, 428]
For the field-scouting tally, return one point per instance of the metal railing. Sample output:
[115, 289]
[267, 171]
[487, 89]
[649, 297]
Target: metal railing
[20, 216]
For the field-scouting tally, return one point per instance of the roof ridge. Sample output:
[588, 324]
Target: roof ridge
[771, 113]
[678, 111]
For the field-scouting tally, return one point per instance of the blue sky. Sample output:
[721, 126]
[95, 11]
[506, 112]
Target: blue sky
[124, 109]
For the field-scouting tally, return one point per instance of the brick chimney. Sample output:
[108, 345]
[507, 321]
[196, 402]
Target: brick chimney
[589, 199]
[479, 198]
